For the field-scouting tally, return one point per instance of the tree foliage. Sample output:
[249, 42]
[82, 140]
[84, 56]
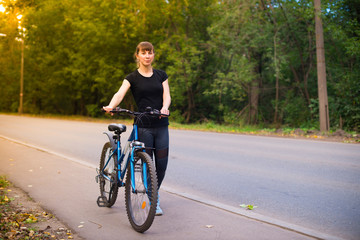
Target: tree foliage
[229, 61]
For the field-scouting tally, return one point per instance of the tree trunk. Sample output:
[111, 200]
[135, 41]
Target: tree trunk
[277, 80]
[321, 70]
[254, 101]
[190, 105]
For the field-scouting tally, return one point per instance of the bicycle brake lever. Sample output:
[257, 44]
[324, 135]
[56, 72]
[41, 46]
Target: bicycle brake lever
[156, 112]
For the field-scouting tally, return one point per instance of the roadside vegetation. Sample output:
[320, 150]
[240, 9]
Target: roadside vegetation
[308, 133]
[21, 218]
[231, 62]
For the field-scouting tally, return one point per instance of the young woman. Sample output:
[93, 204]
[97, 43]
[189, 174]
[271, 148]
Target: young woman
[150, 88]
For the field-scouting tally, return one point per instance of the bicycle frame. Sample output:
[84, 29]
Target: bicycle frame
[131, 147]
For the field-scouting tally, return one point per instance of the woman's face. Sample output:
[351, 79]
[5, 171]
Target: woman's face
[145, 57]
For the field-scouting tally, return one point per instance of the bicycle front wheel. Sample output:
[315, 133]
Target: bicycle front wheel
[141, 202]
[107, 176]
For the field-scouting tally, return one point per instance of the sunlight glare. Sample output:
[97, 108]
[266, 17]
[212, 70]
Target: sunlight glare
[2, 9]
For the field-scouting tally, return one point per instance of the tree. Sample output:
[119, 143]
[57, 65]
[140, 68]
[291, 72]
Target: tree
[238, 40]
[230, 61]
[342, 42]
[182, 54]
[321, 69]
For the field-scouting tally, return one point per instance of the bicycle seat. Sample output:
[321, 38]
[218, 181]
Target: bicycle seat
[117, 127]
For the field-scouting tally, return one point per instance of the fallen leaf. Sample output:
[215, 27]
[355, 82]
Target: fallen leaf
[251, 207]
[248, 206]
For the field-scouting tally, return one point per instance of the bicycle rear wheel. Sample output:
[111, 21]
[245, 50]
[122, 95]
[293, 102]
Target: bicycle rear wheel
[141, 204]
[107, 176]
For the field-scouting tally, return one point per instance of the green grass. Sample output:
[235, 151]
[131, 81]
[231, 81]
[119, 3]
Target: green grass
[213, 127]
[3, 182]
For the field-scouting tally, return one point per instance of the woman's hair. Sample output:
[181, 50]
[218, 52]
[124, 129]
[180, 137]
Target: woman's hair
[147, 46]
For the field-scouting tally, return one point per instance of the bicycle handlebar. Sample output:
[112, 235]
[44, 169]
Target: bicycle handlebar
[149, 111]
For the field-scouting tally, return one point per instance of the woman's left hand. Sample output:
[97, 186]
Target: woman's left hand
[165, 111]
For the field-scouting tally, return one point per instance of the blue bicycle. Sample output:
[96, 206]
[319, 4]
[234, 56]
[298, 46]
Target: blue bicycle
[131, 167]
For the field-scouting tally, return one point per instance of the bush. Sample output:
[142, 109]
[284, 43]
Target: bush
[93, 110]
[177, 117]
[295, 111]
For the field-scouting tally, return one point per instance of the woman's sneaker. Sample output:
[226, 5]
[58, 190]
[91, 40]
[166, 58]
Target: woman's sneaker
[159, 212]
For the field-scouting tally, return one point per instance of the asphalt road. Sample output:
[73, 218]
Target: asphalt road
[312, 184]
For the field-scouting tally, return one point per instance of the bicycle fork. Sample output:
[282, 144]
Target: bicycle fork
[138, 146]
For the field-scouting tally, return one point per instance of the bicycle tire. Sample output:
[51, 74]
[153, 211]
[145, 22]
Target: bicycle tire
[108, 189]
[141, 205]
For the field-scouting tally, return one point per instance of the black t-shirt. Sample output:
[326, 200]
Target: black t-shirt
[148, 92]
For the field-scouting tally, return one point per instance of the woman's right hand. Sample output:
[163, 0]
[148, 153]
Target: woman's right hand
[107, 109]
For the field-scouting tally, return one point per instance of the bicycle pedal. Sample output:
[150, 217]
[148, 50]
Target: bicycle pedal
[102, 201]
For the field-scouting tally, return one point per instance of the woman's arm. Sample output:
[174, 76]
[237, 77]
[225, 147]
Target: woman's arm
[119, 96]
[166, 97]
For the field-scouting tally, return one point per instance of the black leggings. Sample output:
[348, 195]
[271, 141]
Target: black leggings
[157, 144]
